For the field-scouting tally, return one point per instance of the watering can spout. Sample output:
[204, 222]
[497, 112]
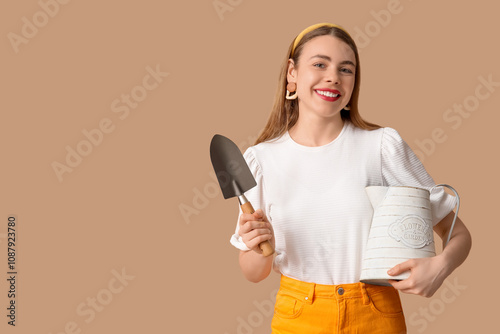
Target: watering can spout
[376, 195]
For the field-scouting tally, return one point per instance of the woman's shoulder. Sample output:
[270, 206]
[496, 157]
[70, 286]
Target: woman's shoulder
[386, 139]
[256, 151]
[391, 137]
[270, 143]
[386, 133]
[369, 134]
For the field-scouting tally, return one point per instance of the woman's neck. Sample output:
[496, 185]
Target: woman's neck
[316, 132]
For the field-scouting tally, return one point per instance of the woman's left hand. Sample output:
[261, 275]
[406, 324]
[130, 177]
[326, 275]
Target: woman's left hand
[427, 275]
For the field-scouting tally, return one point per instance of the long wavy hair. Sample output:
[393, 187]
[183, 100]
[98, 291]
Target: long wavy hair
[285, 113]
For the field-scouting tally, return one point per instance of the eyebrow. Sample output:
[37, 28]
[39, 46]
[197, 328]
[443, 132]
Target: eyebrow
[344, 62]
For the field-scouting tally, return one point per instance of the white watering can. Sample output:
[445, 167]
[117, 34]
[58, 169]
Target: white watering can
[401, 230]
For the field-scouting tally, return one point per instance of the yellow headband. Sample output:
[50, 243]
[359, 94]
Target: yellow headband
[311, 28]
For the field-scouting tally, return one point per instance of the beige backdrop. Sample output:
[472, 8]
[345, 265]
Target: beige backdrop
[108, 109]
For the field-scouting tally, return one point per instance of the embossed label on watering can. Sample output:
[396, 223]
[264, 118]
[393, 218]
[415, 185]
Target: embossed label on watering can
[412, 231]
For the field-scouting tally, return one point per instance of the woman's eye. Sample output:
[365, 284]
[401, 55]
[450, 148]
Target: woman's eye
[346, 70]
[319, 65]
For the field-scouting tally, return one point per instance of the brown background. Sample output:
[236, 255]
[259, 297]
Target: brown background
[121, 206]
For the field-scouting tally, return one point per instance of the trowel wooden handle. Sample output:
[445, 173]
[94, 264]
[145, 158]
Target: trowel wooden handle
[265, 246]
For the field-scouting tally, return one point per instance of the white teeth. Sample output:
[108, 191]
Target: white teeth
[329, 94]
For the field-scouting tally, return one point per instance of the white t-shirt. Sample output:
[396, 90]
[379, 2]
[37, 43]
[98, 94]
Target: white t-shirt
[315, 198]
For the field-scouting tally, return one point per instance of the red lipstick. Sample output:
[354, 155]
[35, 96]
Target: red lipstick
[328, 97]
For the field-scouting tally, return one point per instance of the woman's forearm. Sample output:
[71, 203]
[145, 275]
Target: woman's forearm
[457, 249]
[255, 267]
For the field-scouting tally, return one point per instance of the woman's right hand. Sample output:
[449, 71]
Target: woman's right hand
[254, 229]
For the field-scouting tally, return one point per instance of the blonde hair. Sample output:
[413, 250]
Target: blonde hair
[285, 113]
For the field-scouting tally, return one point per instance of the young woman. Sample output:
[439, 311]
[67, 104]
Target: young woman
[312, 163]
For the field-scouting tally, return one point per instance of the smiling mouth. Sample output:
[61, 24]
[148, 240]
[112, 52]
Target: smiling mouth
[326, 93]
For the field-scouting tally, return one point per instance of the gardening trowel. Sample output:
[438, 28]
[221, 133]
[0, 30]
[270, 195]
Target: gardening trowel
[234, 176]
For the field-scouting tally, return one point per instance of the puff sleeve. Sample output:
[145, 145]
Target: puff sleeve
[401, 167]
[254, 195]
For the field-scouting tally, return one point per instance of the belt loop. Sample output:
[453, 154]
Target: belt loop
[310, 296]
[366, 297]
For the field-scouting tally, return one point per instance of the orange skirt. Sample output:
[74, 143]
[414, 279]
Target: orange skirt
[360, 308]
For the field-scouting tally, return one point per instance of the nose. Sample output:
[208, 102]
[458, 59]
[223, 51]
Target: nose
[333, 76]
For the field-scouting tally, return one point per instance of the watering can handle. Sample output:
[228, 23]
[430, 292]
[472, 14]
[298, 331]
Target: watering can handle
[456, 212]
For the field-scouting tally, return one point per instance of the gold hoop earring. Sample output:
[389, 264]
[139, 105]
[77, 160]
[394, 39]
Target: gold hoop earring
[290, 88]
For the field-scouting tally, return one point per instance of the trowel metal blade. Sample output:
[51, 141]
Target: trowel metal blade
[233, 174]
